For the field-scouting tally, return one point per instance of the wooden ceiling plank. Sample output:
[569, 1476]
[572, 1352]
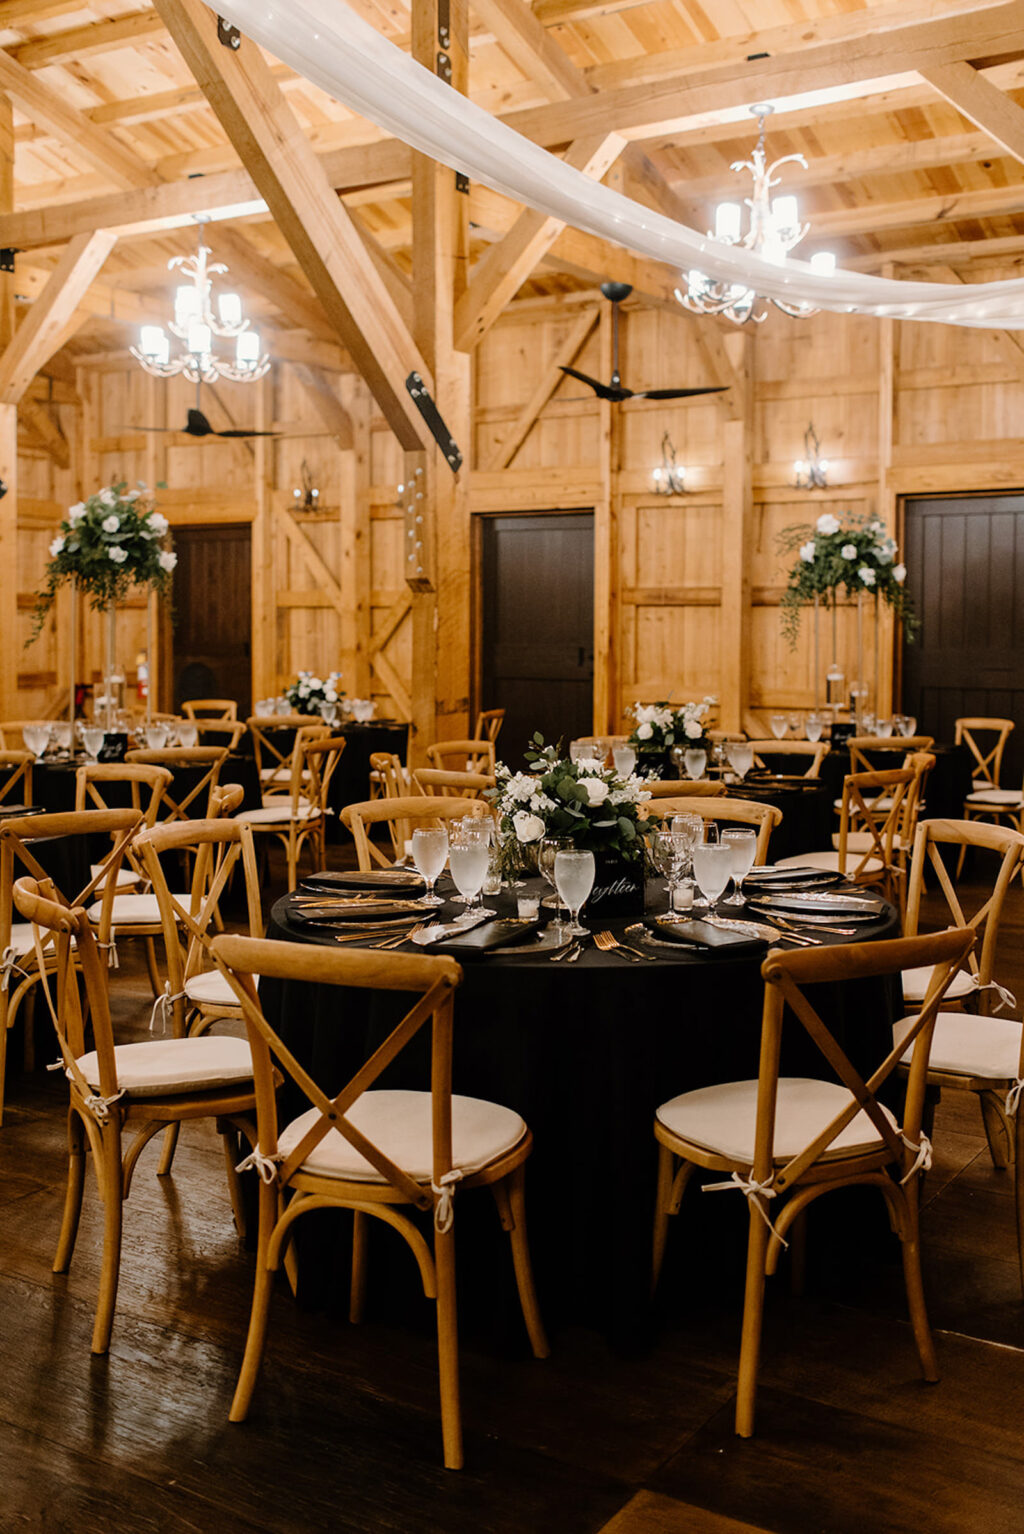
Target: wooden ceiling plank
[513, 439]
[40, 333]
[321, 233]
[505, 266]
[981, 103]
[326, 404]
[78, 42]
[17, 11]
[389, 272]
[44, 104]
[45, 430]
[296, 303]
[522, 36]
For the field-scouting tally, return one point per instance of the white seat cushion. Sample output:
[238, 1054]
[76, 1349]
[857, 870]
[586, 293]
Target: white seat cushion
[21, 938]
[212, 990]
[830, 862]
[127, 878]
[399, 1123]
[271, 816]
[970, 1045]
[979, 785]
[276, 801]
[856, 841]
[916, 982]
[1003, 796]
[722, 1119]
[130, 910]
[162, 1067]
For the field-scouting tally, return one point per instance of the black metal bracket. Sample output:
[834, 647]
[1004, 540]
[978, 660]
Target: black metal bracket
[444, 68]
[420, 395]
[444, 29]
[461, 182]
[7, 260]
[228, 35]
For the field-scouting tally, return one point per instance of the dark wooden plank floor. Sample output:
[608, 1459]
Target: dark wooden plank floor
[344, 1432]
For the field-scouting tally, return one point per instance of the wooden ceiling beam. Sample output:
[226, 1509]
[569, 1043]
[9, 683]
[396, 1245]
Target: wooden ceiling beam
[41, 332]
[40, 424]
[298, 305]
[17, 11]
[252, 111]
[43, 103]
[981, 103]
[79, 42]
[320, 393]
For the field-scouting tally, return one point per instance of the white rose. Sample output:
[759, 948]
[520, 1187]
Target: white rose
[597, 790]
[884, 555]
[849, 551]
[694, 729]
[55, 547]
[167, 561]
[117, 554]
[110, 524]
[157, 524]
[807, 553]
[827, 524]
[528, 828]
[76, 512]
[867, 575]
[132, 495]
[899, 574]
[107, 497]
[644, 731]
[330, 696]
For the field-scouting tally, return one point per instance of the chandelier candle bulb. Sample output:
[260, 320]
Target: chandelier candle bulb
[248, 348]
[823, 262]
[154, 343]
[198, 341]
[186, 305]
[229, 307]
[785, 215]
[728, 216]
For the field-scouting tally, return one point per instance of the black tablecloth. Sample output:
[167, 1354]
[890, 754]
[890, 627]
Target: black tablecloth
[807, 814]
[585, 1053]
[948, 784]
[53, 785]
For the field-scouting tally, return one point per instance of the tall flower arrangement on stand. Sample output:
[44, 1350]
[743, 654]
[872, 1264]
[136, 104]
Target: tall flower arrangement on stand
[857, 556]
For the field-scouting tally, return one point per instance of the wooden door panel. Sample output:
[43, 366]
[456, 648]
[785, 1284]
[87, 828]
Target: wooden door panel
[213, 614]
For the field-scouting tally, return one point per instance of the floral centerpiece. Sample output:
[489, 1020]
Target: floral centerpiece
[106, 544]
[307, 692]
[661, 726]
[858, 556]
[589, 805]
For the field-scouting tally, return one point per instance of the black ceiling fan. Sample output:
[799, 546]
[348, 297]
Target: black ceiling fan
[197, 425]
[615, 391]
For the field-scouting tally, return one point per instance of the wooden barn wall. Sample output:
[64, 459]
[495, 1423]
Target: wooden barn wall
[686, 604]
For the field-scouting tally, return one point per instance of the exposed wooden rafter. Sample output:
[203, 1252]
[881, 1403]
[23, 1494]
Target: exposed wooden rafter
[42, 329]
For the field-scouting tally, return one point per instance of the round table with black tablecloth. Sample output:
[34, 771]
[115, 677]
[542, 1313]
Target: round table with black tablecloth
[586, 1053]
[351, 781]
[53, 784]
[806, 805]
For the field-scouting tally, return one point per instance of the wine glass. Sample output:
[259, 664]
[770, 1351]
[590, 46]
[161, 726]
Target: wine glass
[599, 750]
[909, 724]
[883, 728]
[329, 712]
[741, 757]
[36, 738]
[581, 751]
[814, 726]
[742, 842]
[429, 854]
[155, 736]
[546, 854]
[671, 853]
[574, 879]
[468, 856]
[61, 732]
[779, 724]
[188, 734]
[624, 760]
[795, 726]
[469, 825]
[92, 739]
[712, 867]
[695, 761]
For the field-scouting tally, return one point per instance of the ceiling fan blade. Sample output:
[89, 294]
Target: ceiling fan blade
[603, 391]
[678, 393]
[238, 432]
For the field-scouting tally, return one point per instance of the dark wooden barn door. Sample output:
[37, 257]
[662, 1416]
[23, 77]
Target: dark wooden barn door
[538, 626]
[213, 614]
[965, 564]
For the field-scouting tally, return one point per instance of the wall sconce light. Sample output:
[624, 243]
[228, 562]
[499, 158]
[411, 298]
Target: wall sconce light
[3, 489]
[669, 476]
[811, 471]
[308, 497]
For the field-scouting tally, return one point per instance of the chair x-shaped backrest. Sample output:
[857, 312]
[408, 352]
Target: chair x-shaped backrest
[987, 764]
[432, 978]
[815, 750]
[178, 799]
[786, 977]
[94, 780]
[18, 782]
[210, 708]
[932, 836]
[411, 811]
[462, 755]
[861, 790]
[273, 739]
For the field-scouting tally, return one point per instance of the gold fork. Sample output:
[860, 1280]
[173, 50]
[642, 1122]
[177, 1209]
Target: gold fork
[609, 943]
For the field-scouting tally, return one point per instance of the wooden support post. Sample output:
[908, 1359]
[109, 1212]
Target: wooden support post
[441, 618]
[264, 611]
[6, 206]
[737, 522]
[606, 633]
[355, 545]
[10, 653]
[888, 342]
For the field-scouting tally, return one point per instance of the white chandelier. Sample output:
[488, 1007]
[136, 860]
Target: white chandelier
[775, 229]
[195, 325]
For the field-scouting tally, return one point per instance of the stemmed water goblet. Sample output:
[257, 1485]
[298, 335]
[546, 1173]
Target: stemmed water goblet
[546, 853]
[695, 762]
[188, 733]
[671, 851]
[741, 757]
[574, 879]
[469, 853]
[883, 728]
[780, 725]
[712, 867]
[814, 726]
[742, 843]
[795, 726]
[156, 736]
[624, 760]
[92, 739]
[329, 712]
[429, 854]
[36, 738]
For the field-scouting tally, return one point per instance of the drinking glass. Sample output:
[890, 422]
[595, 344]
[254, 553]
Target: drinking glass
[909, 725]
[814, 725]
[62, 734]
[478, 826]
[574, 879]
[92, 740]
[741, 757]
[36, 738]
[156, 736]
[188, 734]
[883, 727]
[712, 867]
[429, 854]
[468, 856]
[671, 852]
[546, 854]
[779, 724]
[795, 726]
[329, 712]
[599, 749]
[695, 761]
[742, 843]
[624, 759]
[580, 750]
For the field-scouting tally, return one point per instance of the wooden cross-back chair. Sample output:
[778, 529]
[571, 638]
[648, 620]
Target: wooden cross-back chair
[863, 748]
[456, 785]
[210, 708]
[975, 1050]
[987, 758]
[391, 779]
[684, 788]
[15, 777]
[794, 1139]
[300, 819]
[488, 724]
[866, 849]
[462, 755]
[377, 1152]
[20, 969]
[741, 812]
[145, 788]
[813, 751]
[154, 1085]
[273, 745]
[407, 813]
[11, 738]
[200, 768]
[220, 732]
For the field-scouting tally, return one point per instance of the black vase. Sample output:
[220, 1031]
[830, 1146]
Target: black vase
[618, 886]
[653, 763]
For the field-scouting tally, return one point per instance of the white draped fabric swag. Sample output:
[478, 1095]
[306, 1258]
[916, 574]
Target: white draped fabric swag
[333, 48]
